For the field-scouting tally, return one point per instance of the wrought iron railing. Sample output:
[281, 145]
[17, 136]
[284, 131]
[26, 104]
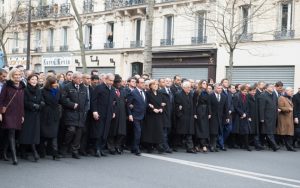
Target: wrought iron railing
[284, 34]
[115, 4]
[199, 40]
[88, 6]
[244, 37]
[15, 50]
[109, 45]
[167, 42]
[64, 48]
[50, 49]
[136, 44]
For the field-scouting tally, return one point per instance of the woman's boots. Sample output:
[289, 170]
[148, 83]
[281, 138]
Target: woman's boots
[12, 142]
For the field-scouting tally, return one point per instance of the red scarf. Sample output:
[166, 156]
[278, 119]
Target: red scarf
[243, 98]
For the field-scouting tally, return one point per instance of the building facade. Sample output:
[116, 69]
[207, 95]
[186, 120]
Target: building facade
[183, 42]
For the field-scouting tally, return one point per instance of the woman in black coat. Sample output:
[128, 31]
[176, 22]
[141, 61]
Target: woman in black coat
[33, 103]
[201, 111]
[50, 116]
[241, 119]
[152, 132]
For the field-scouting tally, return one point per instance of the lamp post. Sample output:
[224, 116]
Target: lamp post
[28, 37]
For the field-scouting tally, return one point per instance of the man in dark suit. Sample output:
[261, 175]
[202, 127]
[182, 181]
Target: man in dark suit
[268, 110]
[102, 106]
[296, 102]
[136, 106]
[176, 85]
[227, 125]
[169, 98]
[258, 137]
[75, 103]
[219, 112]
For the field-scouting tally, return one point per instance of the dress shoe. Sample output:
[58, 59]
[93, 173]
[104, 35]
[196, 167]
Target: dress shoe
[118, 150]
[98, 153]
[82, 153]
[204, 149]
[191, 151]
[138, 153]
[216, 150]
[275, 148]
[175, 149]
[103, 154]
[291, 149]
[223, 148]
[259, 148]
[168, 151]
[75, 156]
[248, 148]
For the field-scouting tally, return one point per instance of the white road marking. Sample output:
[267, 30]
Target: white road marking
[231, 171]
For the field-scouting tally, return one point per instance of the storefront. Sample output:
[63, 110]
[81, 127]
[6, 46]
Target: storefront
[60, 64]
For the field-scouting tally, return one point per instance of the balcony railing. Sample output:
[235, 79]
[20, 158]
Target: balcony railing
[136, 44]
[38, 49]
[199, 40]
[50, 49]
[64, 48]
[165, 1]
[284, 34]
[109, 45]
[245, 37]
[88, 6]
[167, 42]
[24, 50]
[15, 50]
[113, 4]
[88, 46]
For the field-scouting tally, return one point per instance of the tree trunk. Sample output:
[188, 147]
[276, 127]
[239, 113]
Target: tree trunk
[5, 61]
[148, 38]
[80, 36]
[229, 76]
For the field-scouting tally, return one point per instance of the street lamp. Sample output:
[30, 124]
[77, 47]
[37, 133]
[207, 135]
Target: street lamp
[28, 37]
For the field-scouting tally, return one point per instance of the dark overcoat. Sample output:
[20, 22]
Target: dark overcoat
[268, 110]
[30, 133]
[12, 118]
[252, 113]
[185, 114]
[241, 125]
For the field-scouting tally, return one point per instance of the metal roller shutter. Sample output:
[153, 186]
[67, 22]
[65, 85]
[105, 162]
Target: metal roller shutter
[263, 73]
[189, 73]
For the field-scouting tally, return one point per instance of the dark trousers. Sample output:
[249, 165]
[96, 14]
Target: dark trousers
[115, 142]
[271, 140]
[73, 138]
[189, 142]
[52, 142]
[84, 139]
[165, 144]
[137, 134]
[224, 134]
[213, 141]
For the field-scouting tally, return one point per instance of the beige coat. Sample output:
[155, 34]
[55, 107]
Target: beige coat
[285, 117]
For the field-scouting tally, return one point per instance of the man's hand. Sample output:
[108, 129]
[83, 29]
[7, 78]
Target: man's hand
[0, 117]
[243, 116]
[195, 116]
[156, 111]
[163, 104]
[75, 106]
[96, 115]
[151, 106]
[130, 118]
[131, 106]
[114, 115]
[209, 116]
[227, 120]
[180, 107]
[22, 119]
[296, 120]
[249, 119]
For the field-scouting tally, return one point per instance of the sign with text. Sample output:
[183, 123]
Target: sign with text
[56, 61]
[14, 61]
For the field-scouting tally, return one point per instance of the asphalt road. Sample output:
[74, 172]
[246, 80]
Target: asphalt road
[234, 168]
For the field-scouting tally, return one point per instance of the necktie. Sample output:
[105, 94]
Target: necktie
[77, 87]
[142, 94]
[218, 97]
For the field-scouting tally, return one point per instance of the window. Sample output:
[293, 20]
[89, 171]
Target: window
[37, 38]
[50, 37]
[16, 40]
[201, 28]
[286, 16]
[245, 17]
[88, 36]
[109, 35]
[138, 30]
[136, 68]
[169, 27]
[65, 36]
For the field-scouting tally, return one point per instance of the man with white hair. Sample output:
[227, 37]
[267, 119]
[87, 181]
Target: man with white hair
[102, 103]
[75, 103]
[185, 115]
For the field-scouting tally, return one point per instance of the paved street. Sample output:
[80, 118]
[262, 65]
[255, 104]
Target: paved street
[244, 169]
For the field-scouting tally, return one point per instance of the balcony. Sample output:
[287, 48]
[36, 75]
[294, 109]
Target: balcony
[199, 40]
[38, 49]
[284, 34]
[109, 45]
[15, 50]
[165, 1]
[50, 49]
[24, 50]
[136, 44]
[64, 9]
[47, 11]
[244, 37]
[166, 42]
[111, 4]
[88, 46]
[88, 6]
[64, 48]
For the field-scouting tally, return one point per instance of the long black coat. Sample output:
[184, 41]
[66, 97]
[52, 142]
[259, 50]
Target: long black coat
[30, 133]
[296, 103]
[219, 112]
[118, 124]
[153, 128]
[252, 113]
[241, 126]
[202, 110]
[50, 114]
[103, 100]
[75, 117]
[268, 110]
[185, 116]
[169, 99]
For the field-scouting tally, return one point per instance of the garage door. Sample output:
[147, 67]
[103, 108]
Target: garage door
[264, 73]
[100, 69]
[189, 73]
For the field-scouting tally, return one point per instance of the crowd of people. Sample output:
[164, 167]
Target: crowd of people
[75, 114]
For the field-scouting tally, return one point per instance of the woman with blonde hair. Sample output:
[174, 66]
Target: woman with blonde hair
[12, 111]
